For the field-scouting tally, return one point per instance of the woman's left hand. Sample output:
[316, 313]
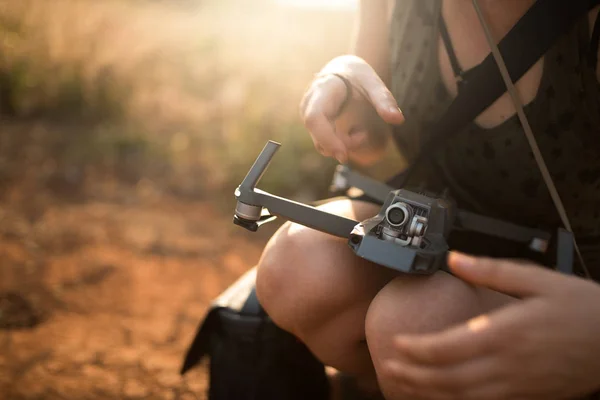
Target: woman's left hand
[545, 346]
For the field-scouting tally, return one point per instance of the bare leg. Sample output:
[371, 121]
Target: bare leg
[419, 305]
[313, 286]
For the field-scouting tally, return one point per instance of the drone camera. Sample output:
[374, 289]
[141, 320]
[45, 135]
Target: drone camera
[404, 224]
[397, 215]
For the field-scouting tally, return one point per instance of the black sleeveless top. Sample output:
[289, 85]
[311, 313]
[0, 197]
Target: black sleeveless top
[492, 171]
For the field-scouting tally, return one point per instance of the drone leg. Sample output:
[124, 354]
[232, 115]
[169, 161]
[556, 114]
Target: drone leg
[564, 251]
[260, 165]
[536, 239]
[248, 212]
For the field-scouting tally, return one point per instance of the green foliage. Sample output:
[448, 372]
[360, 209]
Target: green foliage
[183, 95]
[30, 89]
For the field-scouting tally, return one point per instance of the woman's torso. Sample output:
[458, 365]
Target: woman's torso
[491, 170]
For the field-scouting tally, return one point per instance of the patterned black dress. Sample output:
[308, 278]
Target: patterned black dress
[492, 171]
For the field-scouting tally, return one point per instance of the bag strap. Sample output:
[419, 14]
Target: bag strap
[560, 208]
[252, 305]
[541, 26]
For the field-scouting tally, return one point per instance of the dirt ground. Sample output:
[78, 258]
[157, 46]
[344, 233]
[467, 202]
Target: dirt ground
[100, 299]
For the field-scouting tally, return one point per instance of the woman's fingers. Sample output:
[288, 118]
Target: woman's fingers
[345, 105]
[366, 80]
[446, 382]
[319, 108]
[361, 128]
[377, 93]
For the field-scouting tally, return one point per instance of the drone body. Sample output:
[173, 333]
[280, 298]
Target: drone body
[409, 234]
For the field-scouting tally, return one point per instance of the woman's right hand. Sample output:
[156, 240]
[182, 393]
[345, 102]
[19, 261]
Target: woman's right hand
[357, 127]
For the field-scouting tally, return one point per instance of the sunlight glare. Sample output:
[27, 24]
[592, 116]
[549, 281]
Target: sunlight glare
[478, 323]
[321, 4]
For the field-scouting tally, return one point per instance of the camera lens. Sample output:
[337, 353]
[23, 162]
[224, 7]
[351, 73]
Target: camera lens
[396, 216]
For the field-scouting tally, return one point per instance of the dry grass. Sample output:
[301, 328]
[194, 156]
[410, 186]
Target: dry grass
[139, 99]
[180, 94]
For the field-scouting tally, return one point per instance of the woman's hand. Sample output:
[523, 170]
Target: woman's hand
[545, 346]
[349, 127]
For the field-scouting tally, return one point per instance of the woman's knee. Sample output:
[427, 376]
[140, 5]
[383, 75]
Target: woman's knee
[285, 284]
[417, 304]
[412, 304]
[305, 276]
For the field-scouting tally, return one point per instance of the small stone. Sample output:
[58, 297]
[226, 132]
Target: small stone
[188, 396]
[83, 356]
[162, 361]
[166, 395]
[197, 385]
[54, 366]
[101, 378]
[35, 381]
[66, 385]
[169, 379]
[123, 356]
[135, 388]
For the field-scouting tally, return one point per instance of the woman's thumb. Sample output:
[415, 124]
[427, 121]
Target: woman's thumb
[383, 101]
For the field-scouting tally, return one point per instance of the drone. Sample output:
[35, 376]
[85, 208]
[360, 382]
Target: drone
[409, 234]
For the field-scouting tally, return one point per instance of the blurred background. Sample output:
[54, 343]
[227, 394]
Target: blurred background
[125, 126]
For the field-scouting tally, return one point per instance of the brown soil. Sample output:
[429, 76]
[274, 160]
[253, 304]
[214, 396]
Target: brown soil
[99, 300]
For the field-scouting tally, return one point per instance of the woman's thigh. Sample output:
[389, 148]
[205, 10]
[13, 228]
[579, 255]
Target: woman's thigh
[421, 305]
[314, 286]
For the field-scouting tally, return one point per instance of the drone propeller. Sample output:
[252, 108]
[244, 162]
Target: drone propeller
[249, 212]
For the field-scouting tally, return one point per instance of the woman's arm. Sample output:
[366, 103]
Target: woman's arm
[371, 42]
[357, 128]
[371, 37]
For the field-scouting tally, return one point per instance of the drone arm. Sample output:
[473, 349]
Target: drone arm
[537, 239]
[345, 178]
[251, 201]
[306, 215]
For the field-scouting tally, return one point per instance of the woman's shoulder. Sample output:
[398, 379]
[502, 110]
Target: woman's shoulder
[594, 30]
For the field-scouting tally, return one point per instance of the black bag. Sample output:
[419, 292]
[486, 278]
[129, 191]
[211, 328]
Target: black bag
[250, 357]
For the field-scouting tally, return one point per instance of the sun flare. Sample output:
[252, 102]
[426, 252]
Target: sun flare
[328, 4]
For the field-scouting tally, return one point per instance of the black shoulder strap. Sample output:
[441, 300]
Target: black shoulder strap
[541, 26]
[594, 42]
[458, 72]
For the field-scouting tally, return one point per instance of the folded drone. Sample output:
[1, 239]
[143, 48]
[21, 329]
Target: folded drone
[409, 234]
